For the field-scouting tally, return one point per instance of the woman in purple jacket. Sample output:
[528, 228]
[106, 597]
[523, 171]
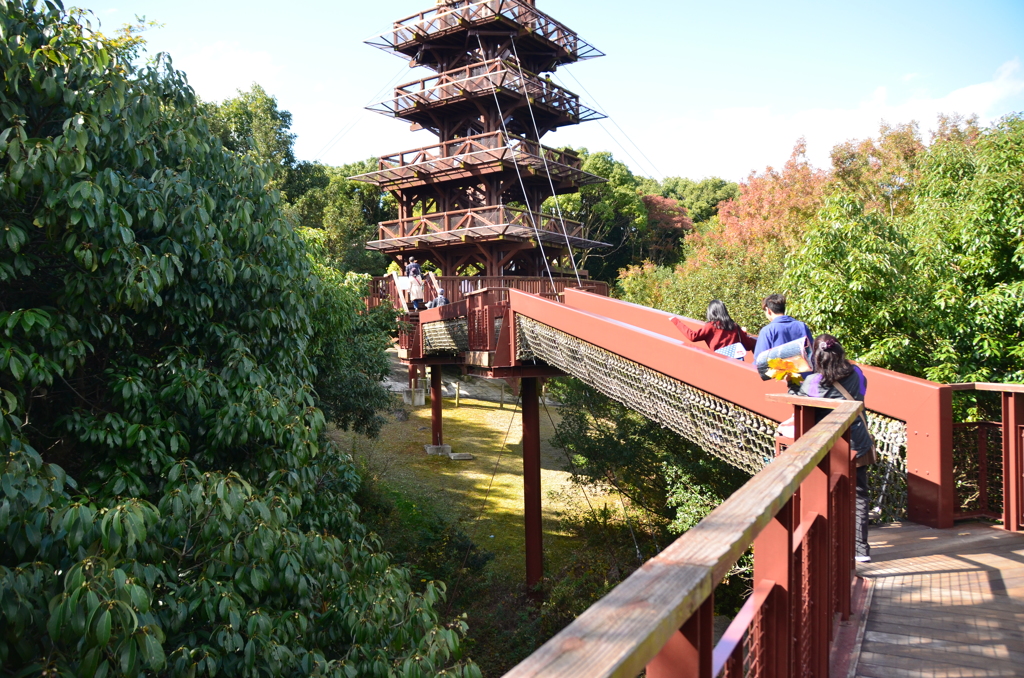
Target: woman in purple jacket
[831, 368]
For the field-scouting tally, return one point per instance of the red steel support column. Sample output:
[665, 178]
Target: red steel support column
[1013, 463]
[815, 520]
[435, 405]
[687, 654]
[930, 494]
[531, 481]
[772, 552]
[842, 488]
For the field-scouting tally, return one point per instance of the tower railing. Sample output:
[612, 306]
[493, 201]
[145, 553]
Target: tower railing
[469, 155]
[408, 33]
[510, 221]
[484, 79]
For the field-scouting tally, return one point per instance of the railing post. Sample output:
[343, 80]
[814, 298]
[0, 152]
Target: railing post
[982, 434]
[930, 491]
[842, 488]
[1013, 468]
[531, 482]
[688, 652]
[815, 514]
[772, 549]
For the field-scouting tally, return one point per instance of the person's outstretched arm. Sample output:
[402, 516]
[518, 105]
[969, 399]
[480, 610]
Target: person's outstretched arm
[703, 334]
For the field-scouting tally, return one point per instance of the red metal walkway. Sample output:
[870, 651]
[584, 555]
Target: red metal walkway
[796, 512]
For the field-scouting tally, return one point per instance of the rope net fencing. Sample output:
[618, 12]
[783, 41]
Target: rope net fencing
[446, 336]
[887, 480]
[732, 433]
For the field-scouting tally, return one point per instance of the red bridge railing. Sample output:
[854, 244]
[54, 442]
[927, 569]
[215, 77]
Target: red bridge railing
[797, 514]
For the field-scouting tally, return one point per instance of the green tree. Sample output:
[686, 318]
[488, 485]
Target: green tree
[932, 288]
[167, 503]
[348, 212]
[349, 347]
[251, 123]
[611, 212]
[699, 198]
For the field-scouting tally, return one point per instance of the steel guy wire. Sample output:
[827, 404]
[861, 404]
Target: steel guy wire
[547, 171]
[522, 184]
[610, 118]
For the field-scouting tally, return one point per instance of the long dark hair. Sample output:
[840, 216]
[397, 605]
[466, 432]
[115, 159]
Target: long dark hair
[718, 316]
[830, 360]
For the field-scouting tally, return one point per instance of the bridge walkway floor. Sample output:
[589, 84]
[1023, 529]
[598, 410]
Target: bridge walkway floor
[943, 602]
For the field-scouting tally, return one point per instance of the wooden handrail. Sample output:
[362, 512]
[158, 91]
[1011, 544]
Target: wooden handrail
[988, 386]
[806, 401]
[622, 632]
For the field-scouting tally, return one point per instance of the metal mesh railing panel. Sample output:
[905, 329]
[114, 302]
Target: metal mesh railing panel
[734, 434]
[446, 336]
[887, 480]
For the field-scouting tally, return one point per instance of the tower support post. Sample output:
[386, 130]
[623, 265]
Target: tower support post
[531, 482]
[435, 406]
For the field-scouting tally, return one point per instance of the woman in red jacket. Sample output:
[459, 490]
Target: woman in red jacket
[719, 331]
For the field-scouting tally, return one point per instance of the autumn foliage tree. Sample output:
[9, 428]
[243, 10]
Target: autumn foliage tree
[667, 224]
[738, 256]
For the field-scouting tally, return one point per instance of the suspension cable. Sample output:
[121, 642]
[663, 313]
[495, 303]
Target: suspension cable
[547, 171]
[522, 184]
[336, 139]
[483, 503]
[612, 120]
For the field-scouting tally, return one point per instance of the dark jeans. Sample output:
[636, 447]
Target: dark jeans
[860, 529]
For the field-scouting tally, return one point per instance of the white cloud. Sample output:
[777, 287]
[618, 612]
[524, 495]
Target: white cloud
[219, 70]
[732, 142]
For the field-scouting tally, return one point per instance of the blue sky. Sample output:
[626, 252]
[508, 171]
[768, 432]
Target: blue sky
[701, 89]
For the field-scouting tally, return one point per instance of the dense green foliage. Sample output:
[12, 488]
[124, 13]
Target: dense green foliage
[935, 285]
[347, 212]
[252, 124]
[349, 344]
[168, 505]
[701, 198]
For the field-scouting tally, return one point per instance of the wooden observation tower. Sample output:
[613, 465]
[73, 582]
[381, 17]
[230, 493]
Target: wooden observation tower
[473, 202]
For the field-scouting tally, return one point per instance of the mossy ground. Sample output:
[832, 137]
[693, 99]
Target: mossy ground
[489, 511]
[425, 508]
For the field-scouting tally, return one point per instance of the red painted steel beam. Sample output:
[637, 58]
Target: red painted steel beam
[688, 653]
[1013, 461]
[531, 482]
[729, 379]
[650, 319]
[436, 403]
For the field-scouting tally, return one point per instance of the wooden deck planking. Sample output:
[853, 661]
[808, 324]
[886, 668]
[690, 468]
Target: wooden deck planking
[945, 603]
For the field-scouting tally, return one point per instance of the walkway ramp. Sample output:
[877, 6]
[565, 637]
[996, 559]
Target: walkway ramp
[944, 602]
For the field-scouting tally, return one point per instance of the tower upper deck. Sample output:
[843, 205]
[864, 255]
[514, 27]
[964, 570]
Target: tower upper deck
[430, 38]
[457, 89]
